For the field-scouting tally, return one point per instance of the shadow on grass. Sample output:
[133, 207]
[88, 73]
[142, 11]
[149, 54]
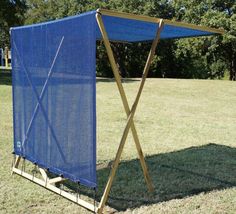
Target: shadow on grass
[175, 175]
[5, 78]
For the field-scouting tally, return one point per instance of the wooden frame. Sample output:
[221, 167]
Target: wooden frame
[50, 183]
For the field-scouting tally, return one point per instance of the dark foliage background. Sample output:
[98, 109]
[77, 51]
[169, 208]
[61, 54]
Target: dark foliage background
[211, 57]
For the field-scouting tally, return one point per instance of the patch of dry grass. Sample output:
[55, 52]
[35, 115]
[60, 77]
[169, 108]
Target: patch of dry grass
[187, 130]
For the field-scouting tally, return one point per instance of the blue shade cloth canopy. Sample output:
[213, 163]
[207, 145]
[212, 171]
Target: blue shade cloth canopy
[136, 28]
[54, 86]
[129, 29]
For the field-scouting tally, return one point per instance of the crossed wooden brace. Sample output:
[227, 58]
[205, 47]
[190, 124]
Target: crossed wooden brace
[129, 113]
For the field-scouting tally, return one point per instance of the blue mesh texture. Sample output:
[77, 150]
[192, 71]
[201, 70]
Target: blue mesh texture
[54, 96]
[128, 30]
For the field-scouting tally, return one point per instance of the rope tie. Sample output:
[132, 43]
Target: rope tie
[94, 198]
[77, 191]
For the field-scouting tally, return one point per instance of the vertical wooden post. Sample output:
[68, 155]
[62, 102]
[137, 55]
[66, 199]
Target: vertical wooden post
[6, 57]
[17, 161]
[132, 112]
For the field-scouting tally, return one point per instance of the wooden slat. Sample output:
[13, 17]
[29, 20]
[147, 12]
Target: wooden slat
[51, 187]
[128, 15]
[44, 174]
[56, 180]
[194, 27]
[16, 164]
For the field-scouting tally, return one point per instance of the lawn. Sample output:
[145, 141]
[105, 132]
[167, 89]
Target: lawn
[187, 129]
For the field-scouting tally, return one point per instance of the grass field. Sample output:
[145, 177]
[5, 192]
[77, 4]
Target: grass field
[188, 133]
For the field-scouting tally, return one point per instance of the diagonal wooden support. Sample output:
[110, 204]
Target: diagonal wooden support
[44, 174]
[124, 101]
[47, 179]
[131, 113]
[56, 180]
[16, 162]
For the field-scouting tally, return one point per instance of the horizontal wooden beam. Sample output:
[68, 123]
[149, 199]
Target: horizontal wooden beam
[128, 15]
[194, 27]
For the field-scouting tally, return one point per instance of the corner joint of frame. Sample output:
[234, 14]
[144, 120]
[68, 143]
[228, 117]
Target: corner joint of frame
[161, 23]
[98, 12]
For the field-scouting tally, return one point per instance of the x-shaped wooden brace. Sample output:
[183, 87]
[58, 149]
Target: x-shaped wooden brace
[40, 97]
[129, 113]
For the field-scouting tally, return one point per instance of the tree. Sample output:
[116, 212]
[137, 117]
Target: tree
[40, 11]
[207, 57]
[130, 57]
[217, 54]
[11, 14]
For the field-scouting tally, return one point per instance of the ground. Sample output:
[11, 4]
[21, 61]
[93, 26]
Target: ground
[187, 129]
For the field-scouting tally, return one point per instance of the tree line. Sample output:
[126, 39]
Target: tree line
[212, 57]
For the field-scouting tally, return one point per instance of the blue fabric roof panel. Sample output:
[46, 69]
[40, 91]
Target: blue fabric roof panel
[130, 30]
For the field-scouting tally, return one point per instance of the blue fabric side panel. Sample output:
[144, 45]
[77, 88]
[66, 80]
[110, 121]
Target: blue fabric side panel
[54, 96]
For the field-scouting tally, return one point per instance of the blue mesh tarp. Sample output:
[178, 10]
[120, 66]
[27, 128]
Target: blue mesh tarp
[54, 79]
[54, 96]
[123, 29]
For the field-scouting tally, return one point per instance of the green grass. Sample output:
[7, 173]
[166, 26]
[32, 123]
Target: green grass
[188, 133]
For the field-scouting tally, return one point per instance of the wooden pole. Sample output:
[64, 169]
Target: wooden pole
[6, 57]
[125, 102]
[132, 112]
